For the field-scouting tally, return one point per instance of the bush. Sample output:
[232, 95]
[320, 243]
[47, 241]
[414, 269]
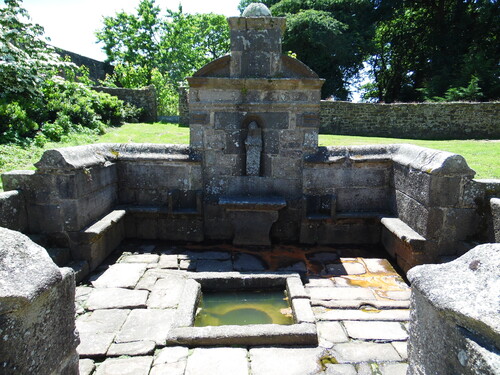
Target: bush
[15, 123]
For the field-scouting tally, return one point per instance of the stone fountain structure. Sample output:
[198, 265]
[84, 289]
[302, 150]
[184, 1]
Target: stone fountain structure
[254, 116]
[252, 174]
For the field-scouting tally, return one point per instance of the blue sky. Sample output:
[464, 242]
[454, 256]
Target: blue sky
[71, 24]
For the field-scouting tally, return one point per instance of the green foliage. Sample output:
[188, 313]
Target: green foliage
[148, 48]
[435, 49]
[25, 58]
[471, 93]
[333, 37]
[36, 103]
[15, 122]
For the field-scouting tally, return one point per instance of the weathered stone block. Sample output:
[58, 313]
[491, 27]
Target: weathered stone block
[441, 307]
[13, 213]
[33, 341]
[78, 213]
[96, 242]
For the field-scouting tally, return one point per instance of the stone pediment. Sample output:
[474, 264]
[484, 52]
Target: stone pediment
[290, 68]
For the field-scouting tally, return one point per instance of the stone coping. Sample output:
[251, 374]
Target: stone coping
[428, 160]
[69, 158]
[302, 332]
[257, 203]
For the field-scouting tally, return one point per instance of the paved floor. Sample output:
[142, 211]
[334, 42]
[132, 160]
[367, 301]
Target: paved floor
[125, 310]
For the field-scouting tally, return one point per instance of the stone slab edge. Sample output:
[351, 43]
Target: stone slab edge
[250, 335]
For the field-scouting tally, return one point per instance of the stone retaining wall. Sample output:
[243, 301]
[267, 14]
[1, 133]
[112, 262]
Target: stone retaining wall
[405, 120]
[144, 98]
[412, 120]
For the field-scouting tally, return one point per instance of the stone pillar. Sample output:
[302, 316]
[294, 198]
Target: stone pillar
[455, 320]
[256, 44]
[37, 311]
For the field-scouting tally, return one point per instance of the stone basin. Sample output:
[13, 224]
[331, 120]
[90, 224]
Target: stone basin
[252, 217]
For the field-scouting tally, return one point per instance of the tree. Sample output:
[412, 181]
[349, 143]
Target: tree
[25, 57]
[333, 37]
[433, 46]
[148, 48]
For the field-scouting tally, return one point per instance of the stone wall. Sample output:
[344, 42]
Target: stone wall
[412, 120]
[97, 69]
[89, 198]
[144, 98]
[183, 106]
[37, 310]
[454, 327]
[404, 120]
[13, 211]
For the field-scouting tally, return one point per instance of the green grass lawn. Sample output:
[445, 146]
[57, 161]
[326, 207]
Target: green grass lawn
[482, 156]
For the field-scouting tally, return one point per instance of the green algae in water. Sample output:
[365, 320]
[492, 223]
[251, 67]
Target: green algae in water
[243, 308]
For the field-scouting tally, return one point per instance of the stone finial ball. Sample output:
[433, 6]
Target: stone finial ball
[256, 10]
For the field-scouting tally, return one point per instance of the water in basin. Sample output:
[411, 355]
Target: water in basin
[243, 308]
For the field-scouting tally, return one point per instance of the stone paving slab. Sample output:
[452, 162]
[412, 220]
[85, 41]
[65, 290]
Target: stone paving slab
[116, 298]
[322, 293]
[136, 348]
[139, 258]
[383, 369]
[177, 368]
[313, 282]
[402, 348]
[125, 366]
[340, 369]
[357, 352]
[168, 261]
[97, 331]
[347, 268]
[210, 265]
[130, 337]
[377, 331]
[247, 262]
[217, 361]
[166, 293]
[171, 354]
[324, 305]
[377, 265]
[86, 366]
[285, 361]
[385, 315]
[146, 324]
[331, 332]
[120, 275]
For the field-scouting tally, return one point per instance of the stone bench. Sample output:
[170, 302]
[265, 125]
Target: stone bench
[97, 241]
[402, 242]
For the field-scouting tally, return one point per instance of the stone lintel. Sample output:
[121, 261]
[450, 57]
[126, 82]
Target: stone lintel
[264, 84]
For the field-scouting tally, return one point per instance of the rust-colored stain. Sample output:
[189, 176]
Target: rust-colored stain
[383, 281]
